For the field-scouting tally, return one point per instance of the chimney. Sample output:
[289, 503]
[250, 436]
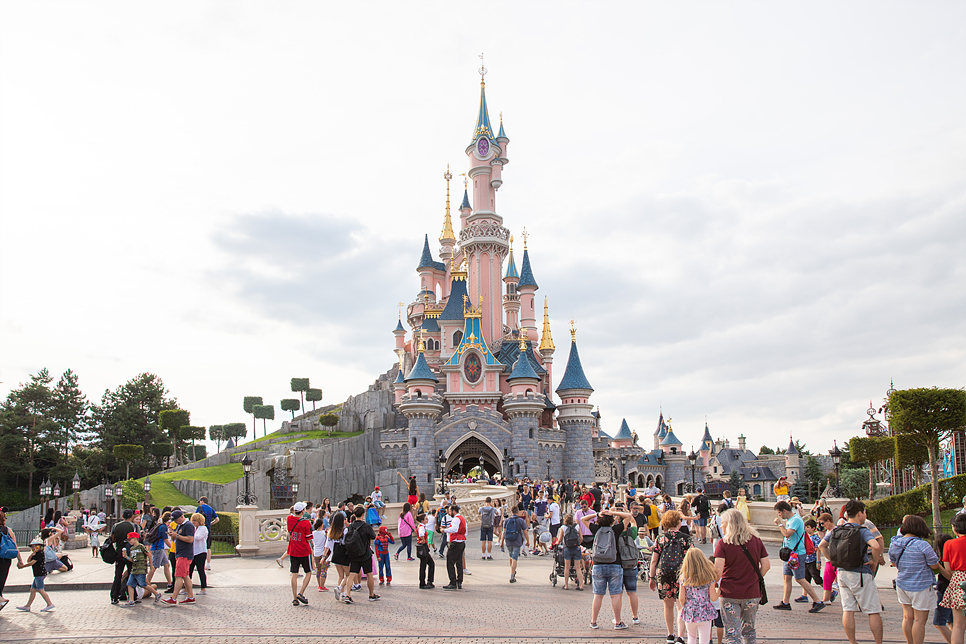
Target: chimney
[741, 442]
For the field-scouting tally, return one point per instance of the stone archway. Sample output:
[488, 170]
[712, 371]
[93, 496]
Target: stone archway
[472, 447]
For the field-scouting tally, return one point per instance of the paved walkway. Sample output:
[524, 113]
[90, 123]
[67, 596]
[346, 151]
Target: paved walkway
[249, 600]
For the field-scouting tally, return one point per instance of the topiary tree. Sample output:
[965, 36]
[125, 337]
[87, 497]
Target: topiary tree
[289, 404]
[197, 452]
[329, 421]
[171, 421]
[300, 385]
[235, 431]
[249, 405]
[929, 415]
[215, 434]
[161, 450]
[193, 433]
[313, 396]
[265, 412]
[872, 450]
[128, 453]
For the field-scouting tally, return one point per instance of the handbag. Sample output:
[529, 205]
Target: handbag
[8, 549]
[761, 581]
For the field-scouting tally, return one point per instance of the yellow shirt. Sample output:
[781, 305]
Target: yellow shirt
[172, 528]
[653, 520]
[781, 489]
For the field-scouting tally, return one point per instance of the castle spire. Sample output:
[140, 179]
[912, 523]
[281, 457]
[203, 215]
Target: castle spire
[483, 127]
[546, 340]
[447, 233]
[573, 377]
[511, 269]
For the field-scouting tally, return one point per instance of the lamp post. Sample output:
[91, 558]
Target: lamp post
[482, 471]
[624, 467]
[247, 498]
[510, 460]
[75, 483]
[461, 467]
[109, 495]
[295, 490]
[147, 488]
[693, 457]
[526, 469]
[611, 460]
[43, 494]
[56, 496]
[836, 455]
[118, 499]
[442, 474]
[548, 470]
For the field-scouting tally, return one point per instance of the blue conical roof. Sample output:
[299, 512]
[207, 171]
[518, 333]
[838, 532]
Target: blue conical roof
[399, 377]
[523, 369]
[427, 261]
[670, 439]
[625, 432]
[421, 370]
[502, 134]
[399, 326]
[454, 305]
[791, 447]
[511, 269]
[483, 127]
[430, 325]
[661, 430]
[526, 273]
[466, 201]
[573, 377]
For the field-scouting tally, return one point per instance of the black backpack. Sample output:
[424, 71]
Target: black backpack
[571, 537]
[846, 549]
[154, 534]
[355, 544]
[701, 505]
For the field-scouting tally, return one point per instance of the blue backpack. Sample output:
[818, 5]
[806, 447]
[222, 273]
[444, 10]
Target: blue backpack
[511, 529]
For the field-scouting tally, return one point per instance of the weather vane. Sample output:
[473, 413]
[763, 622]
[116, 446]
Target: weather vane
[482, 68]
[573, 329]
[400, 305]
[525, 235]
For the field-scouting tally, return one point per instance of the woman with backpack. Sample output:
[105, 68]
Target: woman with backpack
[608, 574]
[157, 540]
[569, 538]
[8, 552]
[669, 551]
[742, 561]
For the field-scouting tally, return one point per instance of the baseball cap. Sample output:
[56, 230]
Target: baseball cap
[299, 506]
[377, 487]
[177, 514]
[133, 535]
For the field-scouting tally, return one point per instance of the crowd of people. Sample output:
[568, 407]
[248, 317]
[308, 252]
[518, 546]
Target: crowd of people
[600, 535]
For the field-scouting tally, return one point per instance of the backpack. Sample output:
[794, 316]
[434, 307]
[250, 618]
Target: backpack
[845, 547]
[701, 505]
[571, 536]
[486, 515]
[628, 551]
[605, 546]
[809, 546]
[511, 529]
[355, 545]
[153, 536]
[672, 554]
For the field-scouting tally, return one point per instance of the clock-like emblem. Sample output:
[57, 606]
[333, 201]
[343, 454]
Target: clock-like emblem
[483, 146]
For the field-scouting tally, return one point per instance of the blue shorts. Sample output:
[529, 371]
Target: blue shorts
[608, 578]
[630, 580]
[486, 533]
[798, 573]
[135, 581]
[703, 522]
[571, 554]
[942, 616]
[514, 551]
[38, 583]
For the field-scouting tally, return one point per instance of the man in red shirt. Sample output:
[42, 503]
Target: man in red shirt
[299, 550]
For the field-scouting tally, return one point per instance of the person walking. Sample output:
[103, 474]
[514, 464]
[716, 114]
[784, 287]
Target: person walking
[427, 567]
[792, 528]
[702, 509]
[159, 543]
[513, 536]
[457, 545]
[698, 577]
[139, 557]
[321, 553]
[211, 519]
[741, 561]
[337, 530]
[486, 528]
[119, 539]
[607, 574]
[383, 539]
[405, 528]
[358, 547]
[199, 551]
[668, 557]
[8, 552]
[299, 550]
[569, 538]
[184, 539]
[917, 563]
[35, 560]
[554, 517]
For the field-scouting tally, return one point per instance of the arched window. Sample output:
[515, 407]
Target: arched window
[529, 391]
[419, 394]
[457, 337]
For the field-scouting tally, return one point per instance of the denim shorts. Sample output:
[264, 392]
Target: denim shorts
[571, 554]
[486, 533]
[137, 580]
[38, 584]
[514, 552]
[703, 522]
[608, 578]
[942, 616]
[630, 580]
[798, 573]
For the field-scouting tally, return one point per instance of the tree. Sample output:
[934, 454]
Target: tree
[197, 452]
[911, 453]
[930, 415]
[329, 421]
[872, 450]
[235, 431]
[813, 476]
[30, 414]
[70, 409]
[765, 450]
[300, 385]
[128, 453]
[735, 483]
[215, 434]
[193, 433]
[289, 404]
[313, 396]
[265, 412]
[161, 450]
[248, 404]
[855, 482]
[171, 421]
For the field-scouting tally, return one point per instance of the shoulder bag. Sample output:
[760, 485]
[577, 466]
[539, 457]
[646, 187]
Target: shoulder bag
[761, 582]
[8, 549]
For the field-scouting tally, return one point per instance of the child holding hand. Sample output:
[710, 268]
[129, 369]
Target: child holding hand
[36, 561]
[699, 585]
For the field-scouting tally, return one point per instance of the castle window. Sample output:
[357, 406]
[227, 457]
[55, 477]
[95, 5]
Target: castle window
[457, 337]
[756, 490]
[414, 442]
[531, 432]
[429, 477]
[716, 470]
[419, 394]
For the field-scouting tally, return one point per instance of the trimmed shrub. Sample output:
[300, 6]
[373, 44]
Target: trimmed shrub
[889, 511]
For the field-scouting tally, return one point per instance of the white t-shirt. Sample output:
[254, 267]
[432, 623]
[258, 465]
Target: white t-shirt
[554, 511]
[377, 495]
[319, 539]
[201, 541]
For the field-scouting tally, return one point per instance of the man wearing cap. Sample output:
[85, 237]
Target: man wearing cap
[184, 539]
[119, 538]
[457, 544]
[299, 550]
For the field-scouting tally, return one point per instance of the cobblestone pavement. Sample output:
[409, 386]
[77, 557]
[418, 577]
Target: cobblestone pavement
[249, 600]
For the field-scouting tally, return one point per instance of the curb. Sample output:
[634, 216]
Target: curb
[92, 585]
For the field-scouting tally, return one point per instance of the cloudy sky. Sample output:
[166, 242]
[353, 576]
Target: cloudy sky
[754, 212]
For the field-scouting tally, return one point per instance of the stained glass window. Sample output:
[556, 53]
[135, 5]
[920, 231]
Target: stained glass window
[473, 368]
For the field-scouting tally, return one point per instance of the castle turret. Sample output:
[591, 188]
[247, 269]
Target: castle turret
[792, 464]
[511, 299]
[399, 386]
[546, 343]
[707, 448]
[575, 416]
[422, 406]
[660, 432]
[527, 287]
[451, 318]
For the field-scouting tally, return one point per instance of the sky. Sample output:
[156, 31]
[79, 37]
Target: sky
[754, 212]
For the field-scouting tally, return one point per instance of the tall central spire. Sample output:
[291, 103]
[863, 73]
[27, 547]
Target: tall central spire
[483, 127]
[447, 222]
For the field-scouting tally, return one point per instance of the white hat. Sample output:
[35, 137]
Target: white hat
[299, 506]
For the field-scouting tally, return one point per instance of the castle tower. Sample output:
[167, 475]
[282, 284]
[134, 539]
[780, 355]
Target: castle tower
[483, 240]
[792, 465]
[399, 386]
[624, 437]
[431, 274]
[472, 372]
[546, 343]
[524, 405]
[527, 288]
[511, 299]
[422, 406]
[576, 417]
[660, 432]
[707, 448]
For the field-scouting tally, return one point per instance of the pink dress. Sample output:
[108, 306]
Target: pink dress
[697, 605]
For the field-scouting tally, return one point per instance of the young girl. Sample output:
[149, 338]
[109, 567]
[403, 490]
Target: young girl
[36, 560]
[93, 528]
[320, 552]
[698, 581]
[954, 562]
[373, 517]
[340, 559]
[741, 504]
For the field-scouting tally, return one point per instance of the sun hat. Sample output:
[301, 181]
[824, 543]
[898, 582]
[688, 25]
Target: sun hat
[299, 506]
[37, 542]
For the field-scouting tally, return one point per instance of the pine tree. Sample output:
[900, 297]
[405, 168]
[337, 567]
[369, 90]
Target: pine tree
[70, 409]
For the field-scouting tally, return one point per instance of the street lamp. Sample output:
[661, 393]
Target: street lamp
[526, 469]
[56, 497]
[461, 467]
[624, 467]
[295, 490]
[611, 459]
[109, 495]
[118, 499]
[548, 470]
[442, 474]
[75, 483]
[836, 455]
[43, 494]
[147, 488]
[247, 498]
[693, 457]
[510, 460]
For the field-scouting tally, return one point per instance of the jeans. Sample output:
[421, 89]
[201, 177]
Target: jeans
[407, 543]
[442, 546]
[454, 562]
[384, 566]
[199, 561]
[4, 571]
[426, 561]
[738, 617]
[117, 588]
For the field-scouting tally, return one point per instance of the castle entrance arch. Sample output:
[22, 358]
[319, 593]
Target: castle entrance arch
[474, 450]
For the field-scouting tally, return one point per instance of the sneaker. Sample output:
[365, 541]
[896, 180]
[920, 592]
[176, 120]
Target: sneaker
[782, 606]
[338, 593]
[802, 600]
[594, 625]
[635, 621]
[374, 598]
[189, 600]
[679, 640]
[203, 591]
[669, 639]
[127, 605]
[279, 562]
[183, 592]
[620, 626]
[356, 587]
[208, 567]
[347, 600]
[816, 606]
[410, 559]
[157, 598]
[835, 594]
[396, 556]
[466, 572]
[25, 609]
[302, 598]
[513, 579]
[170, 601]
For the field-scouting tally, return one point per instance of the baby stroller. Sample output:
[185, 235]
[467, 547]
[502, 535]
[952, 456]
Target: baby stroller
[644, 553]
[558, 567]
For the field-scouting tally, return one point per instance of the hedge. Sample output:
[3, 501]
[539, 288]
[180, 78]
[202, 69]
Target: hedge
[227, 524]
[889, 511]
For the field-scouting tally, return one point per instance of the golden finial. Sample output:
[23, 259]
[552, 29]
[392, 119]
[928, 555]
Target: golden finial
[573, 331]
[447, 221]
[525, 235]
[465, 180]
[422, 344]
[523, 342]
[546, 340]
[482, 71]
[511, 243]
[400, 305]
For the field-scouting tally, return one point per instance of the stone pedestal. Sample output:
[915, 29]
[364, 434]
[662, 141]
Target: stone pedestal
[247, 530]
